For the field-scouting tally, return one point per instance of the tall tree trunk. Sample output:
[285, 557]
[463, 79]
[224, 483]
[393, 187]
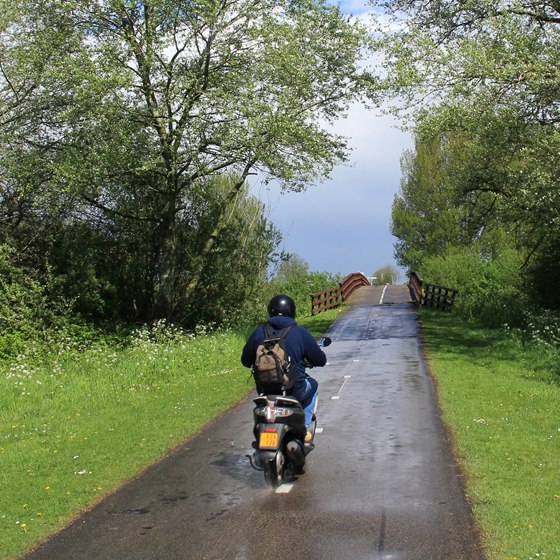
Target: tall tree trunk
[166, 299]
[202, 258]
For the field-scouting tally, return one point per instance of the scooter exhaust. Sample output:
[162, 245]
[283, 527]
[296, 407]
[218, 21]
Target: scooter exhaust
[295, 452]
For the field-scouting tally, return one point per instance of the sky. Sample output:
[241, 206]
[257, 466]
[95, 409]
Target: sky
[343, 224]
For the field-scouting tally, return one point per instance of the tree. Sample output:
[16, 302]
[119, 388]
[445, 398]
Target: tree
[294, 278]
[292, 267]
[385, 275]
[488, 72]
[128, 109]
[237, 268]
[494, 52]
[424, 219]
[449, 189]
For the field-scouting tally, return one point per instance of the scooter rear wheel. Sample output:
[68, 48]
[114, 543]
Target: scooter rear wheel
[270, 475]
[273, 471]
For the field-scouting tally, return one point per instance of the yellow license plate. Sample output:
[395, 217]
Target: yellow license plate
[268, 440]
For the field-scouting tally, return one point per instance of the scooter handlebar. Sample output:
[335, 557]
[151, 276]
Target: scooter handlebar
[324, 341]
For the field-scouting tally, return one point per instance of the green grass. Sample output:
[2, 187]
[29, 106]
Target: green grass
[501, 401]
[77, 424]
[74, 425]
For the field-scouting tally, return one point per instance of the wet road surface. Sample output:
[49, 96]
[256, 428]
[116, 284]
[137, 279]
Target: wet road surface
[380, 484]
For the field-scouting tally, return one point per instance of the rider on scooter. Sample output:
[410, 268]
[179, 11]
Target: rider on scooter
[300, 346]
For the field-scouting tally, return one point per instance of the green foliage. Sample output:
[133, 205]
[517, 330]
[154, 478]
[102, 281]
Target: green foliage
[294, 278]
[424, 218]
[236, 269]
[454, 186]
[543, 272]
[488, 141]
[386, 275]
[142, 121]
[490, 286]
[487, 53]
[107, 267]
[29, 308]
[492, 230]
[540, 328]
[21, 295]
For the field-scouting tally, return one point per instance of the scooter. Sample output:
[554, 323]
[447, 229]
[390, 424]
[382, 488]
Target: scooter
[280, 430]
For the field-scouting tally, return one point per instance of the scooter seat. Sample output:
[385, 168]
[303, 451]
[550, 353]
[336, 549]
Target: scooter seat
[279, 400]
[288, 401]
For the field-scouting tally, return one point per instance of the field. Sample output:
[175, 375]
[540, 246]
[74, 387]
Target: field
[78, 422]
[82, 420]
[500, 400]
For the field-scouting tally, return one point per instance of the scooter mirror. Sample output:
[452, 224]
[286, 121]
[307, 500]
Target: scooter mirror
[325, 341]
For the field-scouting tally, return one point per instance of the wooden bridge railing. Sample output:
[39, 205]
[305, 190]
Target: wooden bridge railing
[333, 297]
[415, 286]
[430, 295]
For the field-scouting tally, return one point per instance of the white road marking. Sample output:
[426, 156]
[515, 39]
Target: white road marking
[383, 294]
[337, 396]
[284, 488]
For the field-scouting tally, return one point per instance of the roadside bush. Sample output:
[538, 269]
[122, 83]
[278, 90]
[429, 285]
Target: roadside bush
[490, 287]
[292, 278]
[301, 287]
[22, 303]
[542, 329]
[28, 311]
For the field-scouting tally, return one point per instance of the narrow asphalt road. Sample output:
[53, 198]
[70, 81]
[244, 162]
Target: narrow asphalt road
[380, 485]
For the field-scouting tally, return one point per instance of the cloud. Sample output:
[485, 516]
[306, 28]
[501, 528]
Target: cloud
[343, 224]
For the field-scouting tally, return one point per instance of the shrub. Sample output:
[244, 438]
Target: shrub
[489, 286]
[294, 279]
[28, 311]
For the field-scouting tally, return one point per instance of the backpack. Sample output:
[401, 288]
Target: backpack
[272, 364]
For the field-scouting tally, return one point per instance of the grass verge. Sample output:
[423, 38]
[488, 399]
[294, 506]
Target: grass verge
[501, 399]
[75, 425]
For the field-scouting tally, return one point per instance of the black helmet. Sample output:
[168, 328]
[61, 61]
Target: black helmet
[282, 305]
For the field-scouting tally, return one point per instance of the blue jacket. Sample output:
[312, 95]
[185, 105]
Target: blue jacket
[300, 345]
